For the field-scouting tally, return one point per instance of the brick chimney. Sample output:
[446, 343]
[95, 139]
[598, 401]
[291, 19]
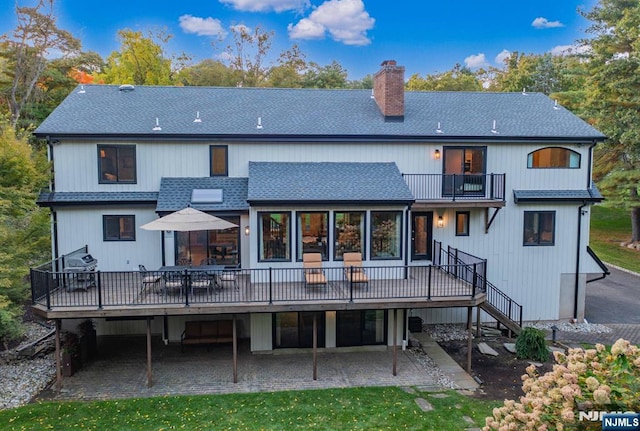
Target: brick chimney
[388, 90]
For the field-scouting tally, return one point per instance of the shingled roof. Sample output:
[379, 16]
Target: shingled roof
[313, 114]
[321, 183]
[175, 193]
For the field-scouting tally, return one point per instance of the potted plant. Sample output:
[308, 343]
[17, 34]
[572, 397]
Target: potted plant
[70, 354]
[88, 340]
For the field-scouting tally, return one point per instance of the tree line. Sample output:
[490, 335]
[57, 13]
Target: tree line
[599, 81]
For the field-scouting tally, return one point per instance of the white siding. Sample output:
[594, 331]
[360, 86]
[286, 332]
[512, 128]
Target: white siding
[530, 275]
[79, 226]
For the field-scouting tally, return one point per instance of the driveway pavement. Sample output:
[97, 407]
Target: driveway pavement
[614, 299]
[614, 302]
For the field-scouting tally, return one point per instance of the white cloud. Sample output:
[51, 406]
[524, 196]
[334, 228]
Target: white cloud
[267, 5]
[346, 21]
[306, 29]
[541, 22]
[202, 26]
[476, 61]
[569, 50]
[502, 57]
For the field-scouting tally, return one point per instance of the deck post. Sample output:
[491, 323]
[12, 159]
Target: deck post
[429, 284]
[149, 375]
[351, 284]
[469, 338]
[186, 284]
[270, 285]
[315, 346]
[475, 280]
[478, 322]
[395, 341]
[235, 351]
[99, 286]
[47, 289]
[58, 364]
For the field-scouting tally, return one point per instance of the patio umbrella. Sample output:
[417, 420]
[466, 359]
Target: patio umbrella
[188, 219]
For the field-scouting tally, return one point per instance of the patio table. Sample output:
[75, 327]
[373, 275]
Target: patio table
[212, 269]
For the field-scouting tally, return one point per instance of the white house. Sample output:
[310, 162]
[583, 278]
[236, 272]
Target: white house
[502, 180]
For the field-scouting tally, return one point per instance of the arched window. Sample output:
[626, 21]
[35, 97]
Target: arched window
[553, 157]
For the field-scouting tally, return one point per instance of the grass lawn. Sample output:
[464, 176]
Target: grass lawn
[370, 408]
[610, 227]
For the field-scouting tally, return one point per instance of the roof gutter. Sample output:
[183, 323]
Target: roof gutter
[439, 139]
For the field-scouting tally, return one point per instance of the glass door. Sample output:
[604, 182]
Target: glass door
[421, 235]
[464, 171]
[360, 328]
[295, 329]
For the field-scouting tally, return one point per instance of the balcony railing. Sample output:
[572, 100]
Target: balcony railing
[454, 187]
[102, 289]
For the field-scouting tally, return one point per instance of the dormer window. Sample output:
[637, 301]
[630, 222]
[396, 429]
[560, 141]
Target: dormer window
[116, 164]
[553, 158]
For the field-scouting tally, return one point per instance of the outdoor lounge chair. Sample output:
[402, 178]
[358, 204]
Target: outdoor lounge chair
[149, 279]
[200, 280]
[313, 272]
[353, 270]
[229, 277]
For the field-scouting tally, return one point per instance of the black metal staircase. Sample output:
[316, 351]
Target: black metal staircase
[497, 304]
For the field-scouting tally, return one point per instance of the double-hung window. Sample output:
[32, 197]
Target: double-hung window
[119, 227]
[539, 228]
[219, 163]
[386, 234]
[274, 232]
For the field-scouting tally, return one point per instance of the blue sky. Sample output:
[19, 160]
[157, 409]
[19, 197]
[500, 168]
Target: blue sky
[425, 36]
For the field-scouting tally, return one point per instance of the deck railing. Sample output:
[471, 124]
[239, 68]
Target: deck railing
[249, 286]
[453, 187]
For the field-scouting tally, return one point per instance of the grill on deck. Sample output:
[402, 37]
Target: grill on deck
[81, 268]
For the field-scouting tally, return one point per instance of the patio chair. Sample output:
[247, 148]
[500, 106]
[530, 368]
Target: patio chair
[353, 270]
[149, 279]
[229, 277]
[174, 281]
[200, 280]
[313, 272]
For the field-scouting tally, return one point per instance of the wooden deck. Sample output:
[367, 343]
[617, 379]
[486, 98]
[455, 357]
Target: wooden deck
[121, 294]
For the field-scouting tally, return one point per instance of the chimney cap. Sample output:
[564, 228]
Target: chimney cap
[388, 63]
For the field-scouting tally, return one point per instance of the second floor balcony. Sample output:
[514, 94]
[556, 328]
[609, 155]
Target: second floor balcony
[427, 188]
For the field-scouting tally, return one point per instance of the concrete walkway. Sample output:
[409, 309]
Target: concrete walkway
[120, 371]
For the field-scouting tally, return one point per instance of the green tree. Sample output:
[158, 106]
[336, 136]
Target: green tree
[141, 60]
[613, 99]
[25, 54]
[24, 228]
[287, 73]
[247, 55]
[457, 79]
[330, 76]
[208, 72]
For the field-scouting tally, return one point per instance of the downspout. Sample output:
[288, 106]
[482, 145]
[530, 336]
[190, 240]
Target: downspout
[584, 203]
[54, 216]
[577, 278]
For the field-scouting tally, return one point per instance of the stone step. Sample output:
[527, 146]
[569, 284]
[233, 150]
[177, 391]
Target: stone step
[486, 349]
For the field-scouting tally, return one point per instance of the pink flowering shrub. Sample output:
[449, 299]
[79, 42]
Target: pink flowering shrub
[583, 380]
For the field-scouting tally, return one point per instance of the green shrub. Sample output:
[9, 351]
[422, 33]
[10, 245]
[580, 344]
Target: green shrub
[531, 344]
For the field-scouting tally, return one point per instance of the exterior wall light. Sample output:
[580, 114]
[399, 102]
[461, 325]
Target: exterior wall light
[440, 221]
[246, 230]
[437, 154]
